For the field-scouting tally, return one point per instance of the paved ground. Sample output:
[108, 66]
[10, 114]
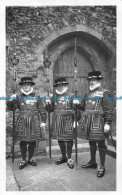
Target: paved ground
[49, 177]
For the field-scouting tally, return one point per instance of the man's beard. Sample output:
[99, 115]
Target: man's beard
[27, 93]
[61, 91]
[94, 86]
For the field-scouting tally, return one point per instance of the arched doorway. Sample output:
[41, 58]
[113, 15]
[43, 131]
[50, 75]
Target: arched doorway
[94, 52]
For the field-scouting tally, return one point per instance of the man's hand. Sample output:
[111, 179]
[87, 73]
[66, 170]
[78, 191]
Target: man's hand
[106, 128]
[43, 125]
[76, 102]
[74, 124]
[43, 129]
[13, 97]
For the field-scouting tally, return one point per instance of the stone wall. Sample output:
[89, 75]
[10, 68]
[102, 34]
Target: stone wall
[31, 26]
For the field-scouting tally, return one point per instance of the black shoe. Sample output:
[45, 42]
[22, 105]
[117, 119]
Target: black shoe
[22, 164]
[101, 171]
[61, 160]
[70, 164]
[32, 162]
[89, 165]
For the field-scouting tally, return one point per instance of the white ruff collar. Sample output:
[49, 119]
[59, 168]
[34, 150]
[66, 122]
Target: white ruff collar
[27, 93]
[61, 92]
[95, 86]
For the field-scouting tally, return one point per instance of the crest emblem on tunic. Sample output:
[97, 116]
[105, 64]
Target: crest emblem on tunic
[30, 102]
[62, 102]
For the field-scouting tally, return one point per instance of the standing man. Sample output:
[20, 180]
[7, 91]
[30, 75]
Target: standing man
[62, 121]
[29, 124]
[95, 121]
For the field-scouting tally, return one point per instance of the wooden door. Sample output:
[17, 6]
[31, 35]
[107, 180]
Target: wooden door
[64, 67]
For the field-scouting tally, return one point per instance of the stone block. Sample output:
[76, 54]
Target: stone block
[8, 150]
[41, 145]
[9, 141]
[17, 148]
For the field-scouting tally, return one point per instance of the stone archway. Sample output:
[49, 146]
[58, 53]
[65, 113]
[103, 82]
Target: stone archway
[91, 43]
[70, 29]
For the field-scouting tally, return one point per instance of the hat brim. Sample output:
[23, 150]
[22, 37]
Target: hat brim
[60, 84]
[21, 83]
[97, 78]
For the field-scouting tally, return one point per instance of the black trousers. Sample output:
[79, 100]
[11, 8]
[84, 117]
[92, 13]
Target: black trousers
[31, 148]
[66, 148]
[102, 151]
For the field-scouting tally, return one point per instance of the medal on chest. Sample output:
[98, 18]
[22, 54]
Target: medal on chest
[29, 102]
[61, 101]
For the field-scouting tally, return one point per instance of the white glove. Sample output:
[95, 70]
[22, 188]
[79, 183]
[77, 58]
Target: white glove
[48, 101]
[74, 124]
[43, 125]
[76, 102]
[13, 97]
[106, 128]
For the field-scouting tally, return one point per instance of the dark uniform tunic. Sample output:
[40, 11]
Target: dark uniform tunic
[63, 118]
[96, 114]
[31, 113]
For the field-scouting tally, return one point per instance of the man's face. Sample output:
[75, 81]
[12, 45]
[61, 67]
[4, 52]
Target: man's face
[26, 87]
[61, 88]
[93, 84]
